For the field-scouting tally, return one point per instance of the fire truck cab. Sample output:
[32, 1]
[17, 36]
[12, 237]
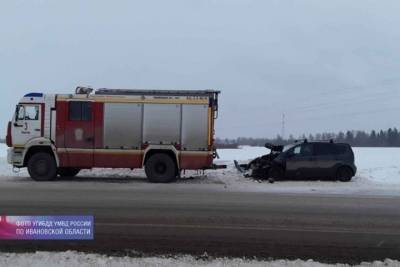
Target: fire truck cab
[164, 131]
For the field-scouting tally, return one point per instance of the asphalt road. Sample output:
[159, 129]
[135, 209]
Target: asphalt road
[188, 218]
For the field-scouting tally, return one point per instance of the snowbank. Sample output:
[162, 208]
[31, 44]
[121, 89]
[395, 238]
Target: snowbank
[70, 258]
[378, 165]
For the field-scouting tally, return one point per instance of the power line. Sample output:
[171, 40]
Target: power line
[357, 98]
[334, 100]
[283, 121]
[350, 102]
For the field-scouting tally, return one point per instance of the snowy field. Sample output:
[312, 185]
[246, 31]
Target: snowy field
[378, 174]
[69, 258]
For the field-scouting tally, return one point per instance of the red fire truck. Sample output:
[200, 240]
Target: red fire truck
[164, 131]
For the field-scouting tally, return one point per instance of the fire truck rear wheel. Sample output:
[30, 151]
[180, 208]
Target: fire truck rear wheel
[68, 172]
[161, 168]
[42, 167]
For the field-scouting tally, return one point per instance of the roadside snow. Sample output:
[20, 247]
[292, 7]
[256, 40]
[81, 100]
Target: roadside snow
[378, 174]
[3, 150]
[70, 258]
[379, 165]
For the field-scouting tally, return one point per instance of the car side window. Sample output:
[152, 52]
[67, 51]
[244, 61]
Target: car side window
[306, 150]
[324, 149]
[303, 150]
[293, 152]
[340, 149]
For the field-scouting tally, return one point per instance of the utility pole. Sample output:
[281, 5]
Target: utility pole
[283, 126]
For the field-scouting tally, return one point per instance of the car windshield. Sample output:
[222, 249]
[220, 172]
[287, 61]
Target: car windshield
[287, 147]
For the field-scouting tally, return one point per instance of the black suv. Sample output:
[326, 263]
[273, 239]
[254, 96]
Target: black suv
[304, 160]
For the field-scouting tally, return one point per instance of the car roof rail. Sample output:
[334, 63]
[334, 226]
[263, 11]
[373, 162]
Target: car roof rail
[325, 141]
[301, 141]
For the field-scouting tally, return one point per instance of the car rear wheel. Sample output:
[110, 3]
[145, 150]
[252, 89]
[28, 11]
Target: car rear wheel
[42, 167]
[161, 168]
[68, 172]
[344, 174]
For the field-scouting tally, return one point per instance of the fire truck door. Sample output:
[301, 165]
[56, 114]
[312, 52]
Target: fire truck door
[27, 124]
[79, 133]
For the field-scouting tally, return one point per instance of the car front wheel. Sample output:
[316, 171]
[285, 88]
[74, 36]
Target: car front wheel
[276, 173]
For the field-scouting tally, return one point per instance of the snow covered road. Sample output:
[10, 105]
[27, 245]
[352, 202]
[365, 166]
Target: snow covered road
[176, 219]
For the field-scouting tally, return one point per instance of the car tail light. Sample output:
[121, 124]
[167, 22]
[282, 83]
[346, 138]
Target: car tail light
[8, 137]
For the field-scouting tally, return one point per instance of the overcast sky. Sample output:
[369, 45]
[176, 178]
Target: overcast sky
[327, 65]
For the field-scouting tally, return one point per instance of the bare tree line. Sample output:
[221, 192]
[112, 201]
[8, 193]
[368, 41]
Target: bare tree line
[381, 138]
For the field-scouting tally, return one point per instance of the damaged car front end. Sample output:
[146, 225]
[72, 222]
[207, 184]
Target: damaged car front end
[260, 168]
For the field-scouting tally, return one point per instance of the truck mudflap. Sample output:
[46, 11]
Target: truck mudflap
[15, 157]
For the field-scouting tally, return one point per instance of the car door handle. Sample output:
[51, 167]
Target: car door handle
[37, 130]
[18, 125]
[89, 139]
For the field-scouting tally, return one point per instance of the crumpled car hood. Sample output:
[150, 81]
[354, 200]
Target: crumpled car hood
[275, 148]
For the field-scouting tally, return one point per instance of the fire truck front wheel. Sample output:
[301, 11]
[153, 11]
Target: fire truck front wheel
[160, 168]
[42, 167]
